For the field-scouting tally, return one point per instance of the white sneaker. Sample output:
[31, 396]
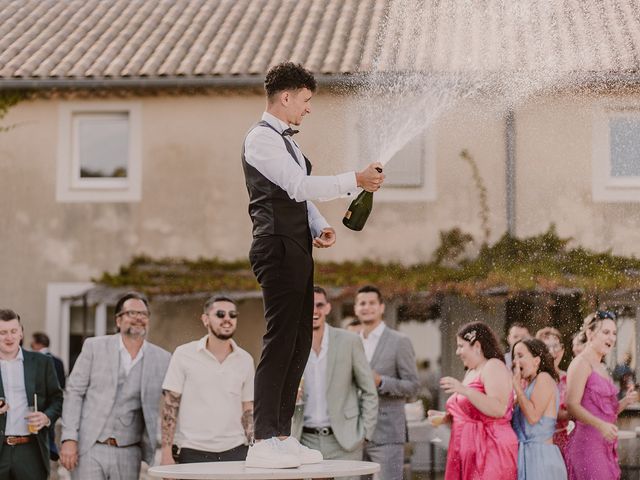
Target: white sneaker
[305, 454]
[270, 454]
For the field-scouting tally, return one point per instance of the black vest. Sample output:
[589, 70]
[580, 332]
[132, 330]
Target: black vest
[271, 209]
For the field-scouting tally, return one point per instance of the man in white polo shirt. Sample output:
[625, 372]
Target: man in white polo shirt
[207, 411]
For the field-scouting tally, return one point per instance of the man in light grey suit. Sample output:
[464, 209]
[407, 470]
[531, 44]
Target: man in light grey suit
[340, 401]
[112, 400]
[393, 363]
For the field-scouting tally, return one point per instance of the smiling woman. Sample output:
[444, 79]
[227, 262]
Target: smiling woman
[483, 444]
[534, 418]
[591, 399]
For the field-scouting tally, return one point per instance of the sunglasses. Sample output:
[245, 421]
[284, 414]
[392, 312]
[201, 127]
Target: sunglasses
[223, 313]
[603, 314]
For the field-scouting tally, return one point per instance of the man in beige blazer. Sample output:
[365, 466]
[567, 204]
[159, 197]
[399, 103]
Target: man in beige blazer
[340, 401]
[112, 401]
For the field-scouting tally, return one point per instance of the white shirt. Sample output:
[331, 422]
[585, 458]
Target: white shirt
[316, 410]
[125, 357]
[371, 341]
[264, 150]
[15, 395]
[209, 417]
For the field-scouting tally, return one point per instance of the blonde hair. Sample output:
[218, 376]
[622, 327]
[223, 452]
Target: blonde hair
[593, 321]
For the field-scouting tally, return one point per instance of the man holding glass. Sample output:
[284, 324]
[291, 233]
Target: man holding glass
[31, 402]
[208, 393]
[110, 415]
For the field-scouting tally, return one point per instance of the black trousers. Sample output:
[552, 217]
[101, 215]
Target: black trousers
[191, 455]
[284, 270]
[22, 462]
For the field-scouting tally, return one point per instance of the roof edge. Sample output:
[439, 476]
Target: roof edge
[238, 81]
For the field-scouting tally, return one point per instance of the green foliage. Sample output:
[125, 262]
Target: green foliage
[542, 262]
[8, 100]
[452, 245]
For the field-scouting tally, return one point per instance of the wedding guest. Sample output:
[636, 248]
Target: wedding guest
[483, 445]
[591, 400]
[578, 343]
[534, 418]
[517, 332]
[552, 338]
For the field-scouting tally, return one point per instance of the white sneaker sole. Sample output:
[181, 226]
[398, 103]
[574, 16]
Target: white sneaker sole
[270, 463]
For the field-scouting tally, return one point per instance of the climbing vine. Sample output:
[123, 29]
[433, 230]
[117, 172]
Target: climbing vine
[543, 263]
[8, 100]
[482, 194]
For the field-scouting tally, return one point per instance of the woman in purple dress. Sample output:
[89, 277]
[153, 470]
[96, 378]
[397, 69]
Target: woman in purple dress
[591, 399]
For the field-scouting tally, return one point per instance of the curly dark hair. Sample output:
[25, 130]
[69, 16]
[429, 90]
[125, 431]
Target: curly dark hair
[537, 348]
[481, 332]
[288, 76]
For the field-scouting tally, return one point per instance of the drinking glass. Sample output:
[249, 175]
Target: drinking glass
[436, 418]
[33, 427]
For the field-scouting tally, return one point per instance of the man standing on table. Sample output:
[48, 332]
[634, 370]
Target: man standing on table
[285, 226]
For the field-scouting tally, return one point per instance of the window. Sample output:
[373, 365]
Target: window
[99, 152]
[58, 317]
[410, 173]
[616, 153]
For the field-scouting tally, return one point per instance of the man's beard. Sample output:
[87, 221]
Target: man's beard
[220, 336]
[139, 332]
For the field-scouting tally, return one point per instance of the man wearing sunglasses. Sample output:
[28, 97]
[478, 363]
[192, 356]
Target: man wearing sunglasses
[207, 410]
[110, 411]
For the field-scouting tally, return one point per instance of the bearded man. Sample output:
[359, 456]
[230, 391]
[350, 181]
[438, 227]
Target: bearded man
[110, 410]
[207, 412]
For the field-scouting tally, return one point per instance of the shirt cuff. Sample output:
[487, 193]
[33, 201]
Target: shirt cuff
[317, 226]
[347, 183]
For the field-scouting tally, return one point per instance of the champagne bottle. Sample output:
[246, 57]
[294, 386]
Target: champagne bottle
[359, 210]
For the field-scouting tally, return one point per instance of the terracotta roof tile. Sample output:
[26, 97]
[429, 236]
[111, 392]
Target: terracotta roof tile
[42, 39]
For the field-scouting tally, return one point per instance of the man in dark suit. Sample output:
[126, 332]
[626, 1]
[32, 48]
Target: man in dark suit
[40, 343]
[393, 362]
[27, 378]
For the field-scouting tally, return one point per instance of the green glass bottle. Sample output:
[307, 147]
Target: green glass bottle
[359, 210]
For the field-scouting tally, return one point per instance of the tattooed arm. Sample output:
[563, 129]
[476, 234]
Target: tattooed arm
[170, 407]
[247, 420]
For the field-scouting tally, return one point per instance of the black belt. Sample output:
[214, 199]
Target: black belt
[324, 431]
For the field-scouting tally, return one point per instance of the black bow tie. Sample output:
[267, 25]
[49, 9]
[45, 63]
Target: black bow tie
[289, 132]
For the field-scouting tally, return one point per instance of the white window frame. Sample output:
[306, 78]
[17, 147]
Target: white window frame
[606, 188]
[71, 188]
[57, 317]
[426, 192]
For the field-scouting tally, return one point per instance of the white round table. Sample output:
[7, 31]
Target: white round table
[237, 471]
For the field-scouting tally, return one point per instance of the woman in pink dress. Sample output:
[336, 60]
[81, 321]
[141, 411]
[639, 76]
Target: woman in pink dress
[483, 445]
[552, 338]
[591, 399]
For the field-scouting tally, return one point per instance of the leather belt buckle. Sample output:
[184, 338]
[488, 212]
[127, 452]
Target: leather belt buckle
[112, 442]
[13, 440]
